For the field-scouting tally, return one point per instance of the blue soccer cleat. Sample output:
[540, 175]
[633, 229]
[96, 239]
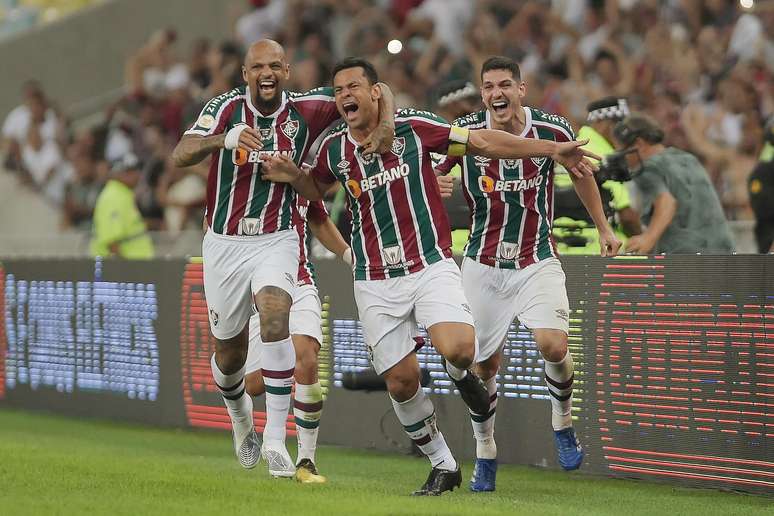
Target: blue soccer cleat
[484, 475]
[568, 448]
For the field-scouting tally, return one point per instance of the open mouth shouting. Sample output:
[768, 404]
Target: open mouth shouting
[500, 107]
[350, 109]
[267, 87]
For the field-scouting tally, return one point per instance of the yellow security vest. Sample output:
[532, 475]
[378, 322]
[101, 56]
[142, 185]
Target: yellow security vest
[117, 219]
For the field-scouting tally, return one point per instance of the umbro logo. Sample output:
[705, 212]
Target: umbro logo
[481, 161]
[343, 164]
[214, 317]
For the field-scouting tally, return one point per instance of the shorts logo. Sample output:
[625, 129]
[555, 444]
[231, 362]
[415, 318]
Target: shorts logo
[392, 255]
[290, 128]
[290, 278]
[214, 317]
[206, 121]
[370, 352]
[539, 161]
[398, 146]
[508, 250]
[562, 314]
[266, 132]
[466, 307]
[511, 163]
[249, 226]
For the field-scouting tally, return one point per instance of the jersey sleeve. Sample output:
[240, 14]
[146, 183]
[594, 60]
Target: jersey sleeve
[561, 127]
[317, 211]
[435, 133]
[318, 107]
[321, 171]
[214, 116]
[448, 163]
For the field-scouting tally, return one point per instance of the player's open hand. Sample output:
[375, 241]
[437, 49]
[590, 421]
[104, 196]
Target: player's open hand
[446, 186]
[250, 140]
[609, 244]
[279, 169]
[576, 159]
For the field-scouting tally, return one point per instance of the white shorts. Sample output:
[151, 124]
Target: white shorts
[535, 294]
[236, 268]
[390, 309]
[305, 319]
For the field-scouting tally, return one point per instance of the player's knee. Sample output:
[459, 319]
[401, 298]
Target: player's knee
[254, 384]
[462, 355]
[402, 387]
[553, 347]
[274, 312]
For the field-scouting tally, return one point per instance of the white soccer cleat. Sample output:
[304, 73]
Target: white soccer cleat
[249, 450]
[278, 459]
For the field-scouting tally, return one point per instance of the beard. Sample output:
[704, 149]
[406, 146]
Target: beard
[268, 104]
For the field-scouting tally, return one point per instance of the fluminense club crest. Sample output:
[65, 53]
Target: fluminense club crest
[539, 161]
[290, 128]
[398, 146]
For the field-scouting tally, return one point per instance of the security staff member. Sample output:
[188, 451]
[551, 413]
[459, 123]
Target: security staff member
[119, 229]
[760, 185]
[574, 232]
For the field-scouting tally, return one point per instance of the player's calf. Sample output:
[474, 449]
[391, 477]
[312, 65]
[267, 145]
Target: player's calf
[307, 408]
[456, 342]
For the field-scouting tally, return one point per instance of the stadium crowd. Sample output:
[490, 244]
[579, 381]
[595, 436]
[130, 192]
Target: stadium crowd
[704, 69]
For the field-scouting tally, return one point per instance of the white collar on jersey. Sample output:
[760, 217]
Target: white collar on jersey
[527, 121]
[258, 113]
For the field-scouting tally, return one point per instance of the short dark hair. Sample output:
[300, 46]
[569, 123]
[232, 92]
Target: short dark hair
[501, 63]
[357, 62]
[638, 125]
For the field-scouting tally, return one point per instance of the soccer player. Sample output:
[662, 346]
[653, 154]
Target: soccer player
[306, 333]
[510, 267]
[401, 242]
[250, 250]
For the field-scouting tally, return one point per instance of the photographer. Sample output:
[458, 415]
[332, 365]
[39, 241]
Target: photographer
[574, 231]
[679, 204]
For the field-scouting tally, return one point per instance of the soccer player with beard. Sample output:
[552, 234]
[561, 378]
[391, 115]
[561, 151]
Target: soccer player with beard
[250, 249]
[510, 267]
[306, 333]
[401, 242]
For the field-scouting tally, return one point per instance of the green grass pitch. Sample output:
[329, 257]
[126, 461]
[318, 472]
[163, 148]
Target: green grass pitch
[53, 465]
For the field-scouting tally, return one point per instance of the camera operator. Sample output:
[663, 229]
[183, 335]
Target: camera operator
[680, 207]
[760, 186]
[574, 231]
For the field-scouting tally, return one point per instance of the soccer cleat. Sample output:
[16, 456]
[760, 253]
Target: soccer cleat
[249, 451]
[484, 475]
[306, 473]
[473, 391]
[438, 481]
[568, 448]
[278, 459]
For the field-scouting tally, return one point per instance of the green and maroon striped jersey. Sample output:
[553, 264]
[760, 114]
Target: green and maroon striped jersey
[511, 201]
[239, 202]
[304, 211]
[399, 224]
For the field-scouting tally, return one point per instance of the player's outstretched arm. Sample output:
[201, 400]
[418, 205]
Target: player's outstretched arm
[192, 148]
[282, 169]
[588, 191]
[501, 145]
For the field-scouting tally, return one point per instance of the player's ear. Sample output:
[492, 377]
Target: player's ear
[287, 71]
[376, 91]
[244, 73]
[522, 89]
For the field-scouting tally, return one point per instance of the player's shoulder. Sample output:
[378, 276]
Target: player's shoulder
[419, 115]
[224, 98]
[551, 120]
[333, 135]
[320, 93]
[475, 120]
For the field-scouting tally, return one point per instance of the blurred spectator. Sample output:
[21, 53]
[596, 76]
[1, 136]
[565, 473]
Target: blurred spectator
[182, 193]
[761, 191]
[680, 208]
[457, 98]
[119, 229]
[81, 193]
[265, 20]
[16, 126]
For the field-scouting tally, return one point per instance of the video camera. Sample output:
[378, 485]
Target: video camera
[615, 167]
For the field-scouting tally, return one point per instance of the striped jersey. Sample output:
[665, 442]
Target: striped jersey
[511, 201]
[399, 225]
[303, 211]
[239, 202]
